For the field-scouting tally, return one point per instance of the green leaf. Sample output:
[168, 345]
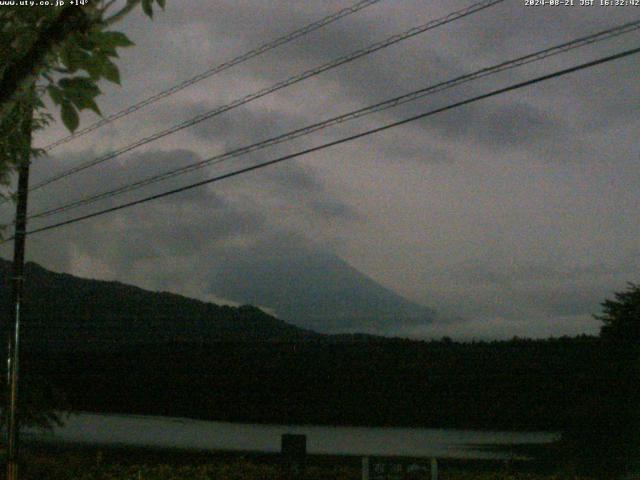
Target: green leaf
[95, 66]
[93, 106]
[80, 100]
[69, 116]
[110, 72]
[83, 39]
[80, 91]
[83, 100]
[84, 85]
[161, 3]
[108, 51]
[68, 62]
[56, 94]
[37, 103]
[147, 7]
[74, 58]
[112, 39]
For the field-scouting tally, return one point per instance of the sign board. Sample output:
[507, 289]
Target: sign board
[293, 449]
[380, 468]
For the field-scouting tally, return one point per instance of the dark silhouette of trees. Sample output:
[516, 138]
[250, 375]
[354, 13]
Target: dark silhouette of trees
[603, 435]
[621, 317]
[111, 347]
[62, 52]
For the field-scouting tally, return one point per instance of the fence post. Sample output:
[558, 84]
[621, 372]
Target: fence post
[365, 468]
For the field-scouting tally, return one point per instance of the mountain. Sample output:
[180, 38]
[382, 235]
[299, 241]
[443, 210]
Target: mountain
[309, 291]
[110, 347]
[63, 310]
[315, 289]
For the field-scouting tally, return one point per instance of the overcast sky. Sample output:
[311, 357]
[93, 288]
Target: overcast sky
[518, 214]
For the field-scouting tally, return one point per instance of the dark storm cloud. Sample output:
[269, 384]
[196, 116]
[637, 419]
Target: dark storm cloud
[515, 125]
[247, 125]
[299, 184]
[547, 289]
[516, 213]
[332, 209]
[294, 177]
[187, 234]
[419, 151]
[392, 73]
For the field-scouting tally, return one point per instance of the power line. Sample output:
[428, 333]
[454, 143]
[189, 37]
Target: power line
[215, 70]
[278, 86]
[412, 96]
[342, 140]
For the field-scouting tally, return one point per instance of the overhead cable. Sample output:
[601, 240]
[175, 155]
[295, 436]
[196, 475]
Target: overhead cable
[378, 107]
[278, 86]
[366, 133]
[215, 70]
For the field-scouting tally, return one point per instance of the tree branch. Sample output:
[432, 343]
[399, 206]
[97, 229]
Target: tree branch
[106, 7]
[131, 4]
[71, 20]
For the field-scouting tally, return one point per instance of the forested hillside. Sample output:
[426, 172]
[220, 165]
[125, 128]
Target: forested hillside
[110, 347]
[518, 384]
[66, 312]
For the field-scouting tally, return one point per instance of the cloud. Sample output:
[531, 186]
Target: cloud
[172, 243]
[504, 328]
[499, 127]
[517, 213]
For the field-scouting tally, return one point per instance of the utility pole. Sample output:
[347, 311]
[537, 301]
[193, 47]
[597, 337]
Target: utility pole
[17, 282]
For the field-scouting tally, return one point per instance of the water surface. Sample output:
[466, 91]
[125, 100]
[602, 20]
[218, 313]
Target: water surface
[171, 432]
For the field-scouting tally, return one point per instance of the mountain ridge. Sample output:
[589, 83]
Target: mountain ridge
[61, 309]
[315, 289]
[331, 299]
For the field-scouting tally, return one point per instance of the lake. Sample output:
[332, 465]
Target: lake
[136, 430]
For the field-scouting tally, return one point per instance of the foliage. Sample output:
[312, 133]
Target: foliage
[42, 404]
[621, 317]
[163, 354]
[77, 467]
[63, 52]
[506, 476]
[603, 434]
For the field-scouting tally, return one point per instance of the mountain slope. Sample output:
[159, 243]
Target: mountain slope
[63, 310]
[316, 290]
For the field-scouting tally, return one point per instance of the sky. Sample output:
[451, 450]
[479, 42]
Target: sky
[515, 215]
